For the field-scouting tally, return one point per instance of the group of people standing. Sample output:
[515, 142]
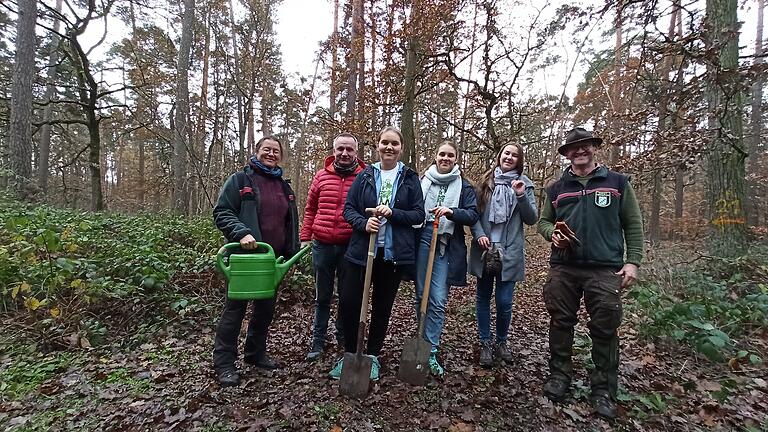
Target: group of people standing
[588, 215]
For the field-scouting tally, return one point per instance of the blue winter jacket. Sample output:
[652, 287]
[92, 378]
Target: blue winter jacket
[407, 211]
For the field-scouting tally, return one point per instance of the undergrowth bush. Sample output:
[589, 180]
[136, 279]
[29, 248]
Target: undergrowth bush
[712, 304]
[66, 267]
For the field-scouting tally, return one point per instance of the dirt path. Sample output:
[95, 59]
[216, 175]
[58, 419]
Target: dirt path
[166, 382]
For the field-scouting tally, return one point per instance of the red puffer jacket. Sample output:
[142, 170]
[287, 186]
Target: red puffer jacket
[324, 214]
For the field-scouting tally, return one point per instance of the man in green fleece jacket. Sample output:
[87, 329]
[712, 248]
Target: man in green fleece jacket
[588, 216]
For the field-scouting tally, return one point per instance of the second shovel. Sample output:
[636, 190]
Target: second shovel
[414, 361]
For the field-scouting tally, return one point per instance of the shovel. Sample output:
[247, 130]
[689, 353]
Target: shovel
[414, 360]
[356, 369]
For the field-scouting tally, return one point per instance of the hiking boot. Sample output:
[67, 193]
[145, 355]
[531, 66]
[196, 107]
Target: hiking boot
[375, 366]
[335, 373]
[228, 378]
[262, 361]
[486, 355]
[604, 406]
[316, 351]
[556, 389]
[502, 352]
[434, 366]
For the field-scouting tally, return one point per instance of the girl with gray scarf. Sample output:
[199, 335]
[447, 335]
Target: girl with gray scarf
[505, 201]
[452, 199]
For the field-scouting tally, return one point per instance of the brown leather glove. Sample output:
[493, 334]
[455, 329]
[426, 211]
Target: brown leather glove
[563, 237]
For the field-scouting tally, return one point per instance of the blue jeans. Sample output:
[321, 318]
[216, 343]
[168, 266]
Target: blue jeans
[505, 294]
[438, 288]
[326, 259]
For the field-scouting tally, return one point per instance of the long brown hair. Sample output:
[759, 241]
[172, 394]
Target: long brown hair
[485, 188]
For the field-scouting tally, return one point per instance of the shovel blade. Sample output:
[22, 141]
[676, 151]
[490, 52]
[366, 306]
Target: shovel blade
[414, 362]
[355, 375]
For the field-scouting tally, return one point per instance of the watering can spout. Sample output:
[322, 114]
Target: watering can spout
[281, 268]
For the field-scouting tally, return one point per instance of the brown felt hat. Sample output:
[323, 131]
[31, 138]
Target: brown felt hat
[579, 136]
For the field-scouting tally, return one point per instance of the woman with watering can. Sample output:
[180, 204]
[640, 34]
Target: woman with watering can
[383, 204]
[452, 199]
[506, 201]
[255, 204]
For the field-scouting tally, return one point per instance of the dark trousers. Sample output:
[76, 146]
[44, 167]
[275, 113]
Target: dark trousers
[328, 261]
[601, 289]
[385, 282]
[228, 330]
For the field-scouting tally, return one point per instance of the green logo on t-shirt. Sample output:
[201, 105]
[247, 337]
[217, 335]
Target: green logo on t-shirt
[386, 192]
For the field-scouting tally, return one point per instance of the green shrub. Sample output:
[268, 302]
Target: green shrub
[77, 271]
[709, 306]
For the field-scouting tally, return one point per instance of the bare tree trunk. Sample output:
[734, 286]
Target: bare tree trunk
[374, 125]
[21, 93]
[50, 92]
[616, 85]
[756, 123]
[409, 103]
[181, 135]
[662, 135]
[238, 89]
[353, 60]
[334, 93]
[726, 155]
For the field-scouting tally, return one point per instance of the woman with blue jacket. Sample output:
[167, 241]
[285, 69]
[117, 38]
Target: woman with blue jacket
[452, 199]
[506, 201]
[393, 191]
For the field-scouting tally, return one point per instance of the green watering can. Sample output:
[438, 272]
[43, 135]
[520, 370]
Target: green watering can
[254, 275]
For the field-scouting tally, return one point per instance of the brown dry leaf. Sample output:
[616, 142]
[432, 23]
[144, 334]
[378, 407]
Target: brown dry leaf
[461, 427]
[336, 428]
[734, 364]
[84, 342]
[705, 385]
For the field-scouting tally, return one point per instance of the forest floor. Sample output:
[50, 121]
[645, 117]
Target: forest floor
[166, 382]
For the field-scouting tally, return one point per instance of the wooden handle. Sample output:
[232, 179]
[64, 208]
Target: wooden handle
[428, 277]
[366, 292]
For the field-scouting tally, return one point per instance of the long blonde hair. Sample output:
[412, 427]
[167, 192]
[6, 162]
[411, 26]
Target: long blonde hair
[485, 188]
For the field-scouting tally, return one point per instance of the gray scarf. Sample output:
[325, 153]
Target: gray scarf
[503, 200]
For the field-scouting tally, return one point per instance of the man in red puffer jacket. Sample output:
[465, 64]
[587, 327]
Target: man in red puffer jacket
[325, 226]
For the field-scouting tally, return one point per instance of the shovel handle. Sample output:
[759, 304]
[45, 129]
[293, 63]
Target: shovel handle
[428, 277]
[366, 291]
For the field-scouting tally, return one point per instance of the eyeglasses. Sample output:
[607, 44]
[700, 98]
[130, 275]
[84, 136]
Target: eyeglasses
[267, 150]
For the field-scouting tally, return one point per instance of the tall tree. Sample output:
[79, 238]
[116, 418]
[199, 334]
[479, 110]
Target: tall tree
[50, 91]
[409, 103]
[21, 92]
[181, 117]
[756, 120]
[357, 45]
[726, 154]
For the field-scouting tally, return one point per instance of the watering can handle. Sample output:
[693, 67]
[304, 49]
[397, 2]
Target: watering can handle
[220, 255]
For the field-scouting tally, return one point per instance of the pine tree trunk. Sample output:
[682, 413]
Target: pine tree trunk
[353, 60]
[725, 159]
[756, 123]
[50, 92]
[334, 91]
[181, 135]
[409, 102]
[616, 86]
[20, 133]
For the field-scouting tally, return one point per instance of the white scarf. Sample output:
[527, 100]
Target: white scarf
[446, 186]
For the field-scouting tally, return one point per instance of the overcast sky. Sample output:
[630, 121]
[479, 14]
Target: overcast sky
[301, 25]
